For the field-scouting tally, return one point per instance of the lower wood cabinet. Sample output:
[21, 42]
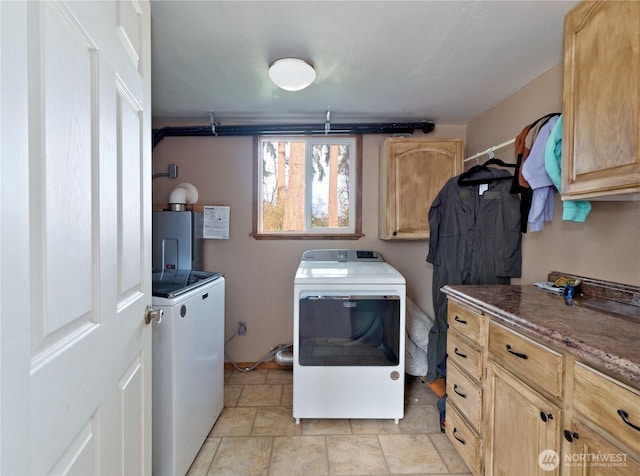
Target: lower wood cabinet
[465, 394]
[588, 453]
[603, 435]
[465, 376]
[516, 406]
[534, 363]
[609, 404]
[464, 439]
[521, 425]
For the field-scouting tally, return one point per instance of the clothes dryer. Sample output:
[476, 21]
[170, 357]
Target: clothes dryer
[349, 336]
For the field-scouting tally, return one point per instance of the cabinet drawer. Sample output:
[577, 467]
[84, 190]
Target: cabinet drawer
[601, 398]
[465, 321]
[591, 443]
[462, 354]
[530, 361]
[463, 438]
[465, 395]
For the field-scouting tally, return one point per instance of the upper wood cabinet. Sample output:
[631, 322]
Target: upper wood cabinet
[601, 133]
[412, 172]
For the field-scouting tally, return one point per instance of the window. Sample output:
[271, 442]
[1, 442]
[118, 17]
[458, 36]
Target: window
[307, 187]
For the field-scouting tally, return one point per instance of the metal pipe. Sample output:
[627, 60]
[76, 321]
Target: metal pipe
[284, 358]
[490, 150]
[292, 129]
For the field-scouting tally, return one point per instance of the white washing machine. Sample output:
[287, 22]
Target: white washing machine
[349, 336]
[188, 365]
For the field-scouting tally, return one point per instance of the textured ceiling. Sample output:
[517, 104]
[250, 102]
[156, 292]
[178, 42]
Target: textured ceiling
[377, 61]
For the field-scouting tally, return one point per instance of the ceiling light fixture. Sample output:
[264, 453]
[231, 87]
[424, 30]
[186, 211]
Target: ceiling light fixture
[292, 74]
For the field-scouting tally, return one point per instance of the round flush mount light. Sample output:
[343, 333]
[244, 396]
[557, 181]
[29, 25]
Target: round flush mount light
[292, 74]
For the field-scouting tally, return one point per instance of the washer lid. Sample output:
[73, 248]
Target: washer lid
[347, 272]
[174, 282]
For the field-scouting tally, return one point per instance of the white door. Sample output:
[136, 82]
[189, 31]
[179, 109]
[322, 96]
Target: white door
[75, 269]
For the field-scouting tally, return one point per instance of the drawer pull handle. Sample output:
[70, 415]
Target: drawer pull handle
[546, 416]
[570, 435]
[461, 321]
[517, 354]
[459, 439]
[625, 418]
[455, 389]
[455, 351]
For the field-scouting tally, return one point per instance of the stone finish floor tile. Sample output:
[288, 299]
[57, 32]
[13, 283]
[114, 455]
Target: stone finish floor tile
[418, 393]
[279, 376]
[232, 394]
[312, 426]
[260, 396]
[355, 455]
[411, 454]
[234, 422]
[256, 434]
[242, 455]
[287, 397]
[257, 376]
[374, 427]
[201, 464]
[299, 455]
[275, 421]
[420, 419]
[448, 453]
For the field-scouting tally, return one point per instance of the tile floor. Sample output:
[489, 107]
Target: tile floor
[257, 435]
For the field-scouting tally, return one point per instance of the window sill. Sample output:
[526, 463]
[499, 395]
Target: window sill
[305, 236]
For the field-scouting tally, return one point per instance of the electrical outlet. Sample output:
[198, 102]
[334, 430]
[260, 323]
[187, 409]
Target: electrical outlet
[242, 328]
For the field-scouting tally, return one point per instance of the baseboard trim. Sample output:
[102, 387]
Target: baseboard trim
[246, 365]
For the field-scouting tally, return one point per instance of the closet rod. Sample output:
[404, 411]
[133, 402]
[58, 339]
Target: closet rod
[491, 149]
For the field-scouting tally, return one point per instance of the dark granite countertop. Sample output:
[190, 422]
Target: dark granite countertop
[596, 331]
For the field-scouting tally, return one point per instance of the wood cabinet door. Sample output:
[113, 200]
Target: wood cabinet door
[412, 172]
[601, 130]
[522, 427]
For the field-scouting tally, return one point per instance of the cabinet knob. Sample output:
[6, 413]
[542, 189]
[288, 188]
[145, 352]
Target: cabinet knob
[546, 416]
[570, 435]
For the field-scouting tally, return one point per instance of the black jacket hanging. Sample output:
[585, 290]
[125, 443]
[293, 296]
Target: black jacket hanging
[475, 239]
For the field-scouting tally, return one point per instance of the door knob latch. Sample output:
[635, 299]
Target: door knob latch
[153, 315]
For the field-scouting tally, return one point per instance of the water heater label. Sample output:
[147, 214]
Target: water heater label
[216, 222]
